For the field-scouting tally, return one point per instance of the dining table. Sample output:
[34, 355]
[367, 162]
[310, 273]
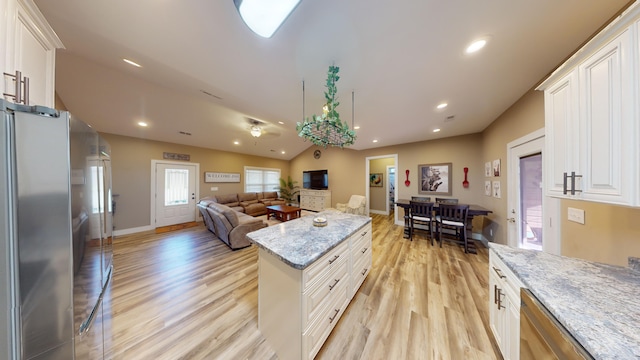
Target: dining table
[474, 210]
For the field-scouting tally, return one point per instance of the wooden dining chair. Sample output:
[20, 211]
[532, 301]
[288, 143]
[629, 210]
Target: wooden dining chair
[453, 217]
[421, 213]
[421, 198]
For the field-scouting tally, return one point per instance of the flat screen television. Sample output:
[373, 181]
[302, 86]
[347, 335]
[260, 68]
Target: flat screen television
[315, 179]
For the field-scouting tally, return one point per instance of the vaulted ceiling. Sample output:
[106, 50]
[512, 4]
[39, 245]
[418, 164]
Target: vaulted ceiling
[204, 74]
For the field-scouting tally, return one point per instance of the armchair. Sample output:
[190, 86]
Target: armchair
[356, 205]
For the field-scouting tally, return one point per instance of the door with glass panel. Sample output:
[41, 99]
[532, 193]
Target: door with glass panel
[175, 193]
[531, 216]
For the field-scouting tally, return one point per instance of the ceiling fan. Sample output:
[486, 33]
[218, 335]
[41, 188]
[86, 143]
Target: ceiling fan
[258, 128]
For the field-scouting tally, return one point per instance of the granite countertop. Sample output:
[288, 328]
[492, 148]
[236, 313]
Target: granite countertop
[598, 304]
[298, 243]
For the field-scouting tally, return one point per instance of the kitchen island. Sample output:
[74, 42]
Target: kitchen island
[598, 304]
[307, 275]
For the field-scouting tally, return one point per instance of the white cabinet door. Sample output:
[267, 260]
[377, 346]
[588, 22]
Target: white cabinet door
[512, 315]
[497, 315]
[606, 123]
[561, 127]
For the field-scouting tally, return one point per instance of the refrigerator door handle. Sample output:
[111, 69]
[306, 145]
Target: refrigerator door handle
[86, 325]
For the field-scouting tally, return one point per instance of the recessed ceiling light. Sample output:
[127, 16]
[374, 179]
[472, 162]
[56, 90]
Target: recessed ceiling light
[281, 122]
[283, 152]
[356, 128]
[436, 130]
[142, 123]
[132, 63]
[236, 142]
[442, 105]
[476, 45]
[375, 141]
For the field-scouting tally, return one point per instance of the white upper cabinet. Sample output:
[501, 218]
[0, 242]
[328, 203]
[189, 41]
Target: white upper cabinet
[591, 118]
[30, 43]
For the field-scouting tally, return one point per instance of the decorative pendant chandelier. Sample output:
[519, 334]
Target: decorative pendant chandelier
[327, 129]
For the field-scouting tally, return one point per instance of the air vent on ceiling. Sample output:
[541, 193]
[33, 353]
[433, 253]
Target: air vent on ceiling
[449, 118]
[184, 133]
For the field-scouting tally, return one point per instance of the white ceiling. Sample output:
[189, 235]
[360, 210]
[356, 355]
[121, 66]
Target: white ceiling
[400, 59]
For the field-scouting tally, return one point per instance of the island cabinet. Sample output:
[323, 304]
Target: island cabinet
[591, 118]
[504, 307]
[300, 297]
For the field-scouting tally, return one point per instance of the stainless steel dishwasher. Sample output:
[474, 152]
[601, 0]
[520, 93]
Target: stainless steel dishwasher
[542, 336]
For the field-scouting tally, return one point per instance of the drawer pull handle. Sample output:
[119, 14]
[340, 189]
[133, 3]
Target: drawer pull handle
[499, 298]
[365, 250]
[334, 284]
[499, 272]
[334, 315]
[364, 233]
[364, 271]
[334, 259]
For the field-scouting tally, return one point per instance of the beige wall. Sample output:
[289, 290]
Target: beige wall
[131, 159]
[522, 118]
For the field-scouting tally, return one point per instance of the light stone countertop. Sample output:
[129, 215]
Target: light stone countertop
[598, 304]
[298, 243]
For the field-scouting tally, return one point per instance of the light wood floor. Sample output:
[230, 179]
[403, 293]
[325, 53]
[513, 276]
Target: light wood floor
[186, 295]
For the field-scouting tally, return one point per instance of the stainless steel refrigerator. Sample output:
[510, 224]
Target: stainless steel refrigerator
[55, 236]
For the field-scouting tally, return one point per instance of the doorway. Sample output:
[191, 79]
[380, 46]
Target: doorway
[174, 192]
[378, 199]
[530, 213]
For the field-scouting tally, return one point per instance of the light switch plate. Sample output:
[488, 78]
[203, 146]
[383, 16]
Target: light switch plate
[576, 215]
[214, 188]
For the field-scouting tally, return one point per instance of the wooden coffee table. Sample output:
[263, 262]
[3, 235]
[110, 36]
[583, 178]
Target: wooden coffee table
[283, 212]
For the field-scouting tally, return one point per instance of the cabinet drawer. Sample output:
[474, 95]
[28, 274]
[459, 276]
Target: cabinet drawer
[504, 275]
[360, 246]
[320, 328]
[323, 292]
[360, 271]
[324, 265]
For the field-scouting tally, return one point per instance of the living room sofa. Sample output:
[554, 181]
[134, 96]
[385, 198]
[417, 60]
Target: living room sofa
[250, 203]
[229, 225]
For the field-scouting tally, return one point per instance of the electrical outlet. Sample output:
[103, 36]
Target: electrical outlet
[214, 188]
[575, 215]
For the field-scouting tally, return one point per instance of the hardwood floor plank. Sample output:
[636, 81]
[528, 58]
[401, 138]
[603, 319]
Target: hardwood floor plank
[186, 295]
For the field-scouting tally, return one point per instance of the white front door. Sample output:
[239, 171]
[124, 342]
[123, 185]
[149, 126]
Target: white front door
[530, 213]
[175, 193]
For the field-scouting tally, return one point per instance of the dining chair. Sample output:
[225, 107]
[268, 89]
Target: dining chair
[421, 198]
[453, 217]
[421, 213]
[446, 201]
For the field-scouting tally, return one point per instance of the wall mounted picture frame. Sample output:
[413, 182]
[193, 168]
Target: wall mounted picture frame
[496, 189]
[487, 187]
[435, 179]
[375, 180]
[487, 169]
[496, 167]
[220, 177]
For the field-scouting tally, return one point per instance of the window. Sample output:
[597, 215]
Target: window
[261, 179]
[176, 187]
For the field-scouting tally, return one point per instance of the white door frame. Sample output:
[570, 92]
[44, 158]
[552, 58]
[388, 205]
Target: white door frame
[154, 163]
[386, 201]
[367, 161]
[550, 206]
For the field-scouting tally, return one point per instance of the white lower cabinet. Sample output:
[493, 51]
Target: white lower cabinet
[504, 307]
[298, 309]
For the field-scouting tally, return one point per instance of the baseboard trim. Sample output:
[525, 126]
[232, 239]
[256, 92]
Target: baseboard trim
[379, 212]
[135, 230]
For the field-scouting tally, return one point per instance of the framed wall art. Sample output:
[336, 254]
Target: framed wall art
[375, 180]
[435, 179]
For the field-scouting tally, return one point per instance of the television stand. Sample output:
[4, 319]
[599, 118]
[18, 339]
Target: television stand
[315, 200]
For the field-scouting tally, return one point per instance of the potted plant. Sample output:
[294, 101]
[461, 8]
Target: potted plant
[288, 189]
